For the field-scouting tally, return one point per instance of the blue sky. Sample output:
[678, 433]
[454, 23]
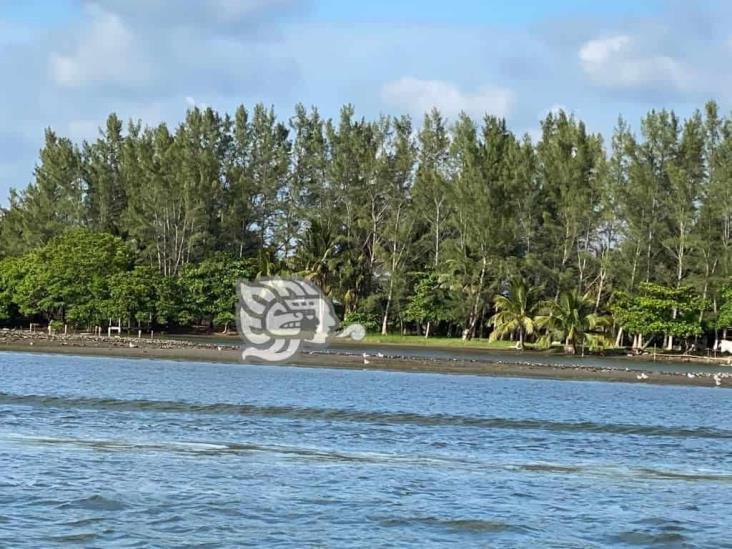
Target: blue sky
[68, 63]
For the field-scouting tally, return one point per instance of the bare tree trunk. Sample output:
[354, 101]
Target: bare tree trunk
[385, 319]
[619, 338]
[473, 322]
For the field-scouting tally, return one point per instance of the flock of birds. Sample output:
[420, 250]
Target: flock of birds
[718, 377]
[366, 357]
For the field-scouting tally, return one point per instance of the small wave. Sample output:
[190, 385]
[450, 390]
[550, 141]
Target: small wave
[393, 459]
[218, 448]
[94, 503]
[653, 531]
[617, 471]
[83, 537]
[461, 524]
[333, 414]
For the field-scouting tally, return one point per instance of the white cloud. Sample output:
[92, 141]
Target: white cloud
[419, 96]
[104, 53]
[620, 62]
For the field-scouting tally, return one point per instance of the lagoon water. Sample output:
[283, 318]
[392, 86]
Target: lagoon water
[138, 453]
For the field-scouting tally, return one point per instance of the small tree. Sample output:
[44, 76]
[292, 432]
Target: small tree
[657, 310]
[209, 289]
[428, 304]
[515, 312]
[571, 318]
[68, 278]
[133, 294]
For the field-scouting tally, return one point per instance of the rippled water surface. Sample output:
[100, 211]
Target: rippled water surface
[100, 452]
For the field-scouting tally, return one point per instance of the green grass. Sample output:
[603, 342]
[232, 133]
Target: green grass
[439, 342]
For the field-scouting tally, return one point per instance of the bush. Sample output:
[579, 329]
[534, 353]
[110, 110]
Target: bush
[367, 320]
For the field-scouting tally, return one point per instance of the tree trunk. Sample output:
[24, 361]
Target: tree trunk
[385, 320]
[569, 347]
[473, 321]
[619, 338]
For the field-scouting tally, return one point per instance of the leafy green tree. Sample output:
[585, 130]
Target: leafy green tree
[656, 311]
[12, 272]
[429, 303]
[209, 289]
[68, 278]
[132, 295]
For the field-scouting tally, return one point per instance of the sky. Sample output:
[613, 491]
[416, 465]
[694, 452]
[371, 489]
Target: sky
[67, 64]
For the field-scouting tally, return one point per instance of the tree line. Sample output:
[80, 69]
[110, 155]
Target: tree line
[408, 227]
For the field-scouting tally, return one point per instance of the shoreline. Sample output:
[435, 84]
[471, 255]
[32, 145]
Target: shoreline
[179, 350]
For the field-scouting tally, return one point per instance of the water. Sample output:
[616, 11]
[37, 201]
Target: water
[137, 453]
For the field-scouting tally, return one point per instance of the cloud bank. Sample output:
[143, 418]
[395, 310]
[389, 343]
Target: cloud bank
[152, 59]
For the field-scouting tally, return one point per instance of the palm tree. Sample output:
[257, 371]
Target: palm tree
[316, 254]
[571, 318]
[515, 312]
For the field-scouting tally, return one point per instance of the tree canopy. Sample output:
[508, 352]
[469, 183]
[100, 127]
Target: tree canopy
[407, 223]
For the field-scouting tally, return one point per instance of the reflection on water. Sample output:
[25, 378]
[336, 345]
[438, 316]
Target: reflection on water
[98, 452]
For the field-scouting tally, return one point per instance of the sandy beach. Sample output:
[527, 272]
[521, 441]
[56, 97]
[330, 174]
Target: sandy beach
[524, 365]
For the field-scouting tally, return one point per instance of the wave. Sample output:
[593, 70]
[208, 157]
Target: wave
[347, 415]
[325, 454]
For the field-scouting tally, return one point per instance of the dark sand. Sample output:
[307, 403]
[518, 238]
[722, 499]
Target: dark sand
[16, 341]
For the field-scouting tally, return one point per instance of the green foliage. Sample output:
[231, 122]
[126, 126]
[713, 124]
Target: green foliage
[724, 318]
[659, 310]
[12, 271]
[571, 319]
[515, 311]
[359, 205]
[209, 289]
[69, 278]
[429, 302]
[368, 320]
[133, 294]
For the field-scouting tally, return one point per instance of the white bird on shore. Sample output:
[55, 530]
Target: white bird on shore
[642, 375]
[717, 379]
[690, 375]
[380, 355]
